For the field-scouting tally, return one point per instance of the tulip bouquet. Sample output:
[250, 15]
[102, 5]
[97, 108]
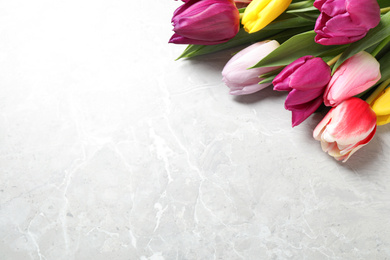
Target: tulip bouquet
[329, 53]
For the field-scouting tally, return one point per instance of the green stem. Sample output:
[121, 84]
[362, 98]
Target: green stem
[380, 46]
[378, 91]
[385, 10]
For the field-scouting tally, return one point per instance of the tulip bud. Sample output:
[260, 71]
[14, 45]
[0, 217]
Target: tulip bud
[205, 22]
[260, 13]
[345, 21]
[239, 78]
[352, 77]
[346, 128]
[305, 79]
[381, 107]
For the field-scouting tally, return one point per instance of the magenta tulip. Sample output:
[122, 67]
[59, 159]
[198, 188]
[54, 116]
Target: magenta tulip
[305, 79]
[345, 21]
[205, 22]
[346, 128]
[239, 78]
[352, 77]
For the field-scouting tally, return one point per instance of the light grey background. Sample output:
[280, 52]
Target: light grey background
[110, 149]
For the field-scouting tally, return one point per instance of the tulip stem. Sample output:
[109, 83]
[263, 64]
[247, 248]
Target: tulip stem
[334, 60]
[385, 10]
[378, 91]
[380, 46]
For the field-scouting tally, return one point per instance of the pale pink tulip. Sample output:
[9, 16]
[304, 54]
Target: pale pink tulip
[352, 77]
[239, 78]
[346, 128]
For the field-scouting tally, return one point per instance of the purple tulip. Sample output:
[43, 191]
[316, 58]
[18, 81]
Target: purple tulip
[205, 22]
[345, 21]
[305, 79]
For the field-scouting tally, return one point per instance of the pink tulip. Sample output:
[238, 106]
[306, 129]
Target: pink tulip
[205, 22]
[352, 77]
[345, 21]
[346, 128]
[239, 78]
[305, 79]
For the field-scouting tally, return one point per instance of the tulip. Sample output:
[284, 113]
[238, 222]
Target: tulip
[305, 79]
[345, 21]
[260, 13]
[352, 77]
[346, 128]
[242, 80]
[381, 107]
[205, 22]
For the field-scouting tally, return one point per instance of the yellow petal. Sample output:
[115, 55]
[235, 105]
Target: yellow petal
[381, 105]
[253, 9]
[260, 13]
[382, 120]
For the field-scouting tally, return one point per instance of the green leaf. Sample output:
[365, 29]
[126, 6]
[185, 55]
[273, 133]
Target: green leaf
[241, 38]
[268, 80]
[310, 16]
[297, 46]
[302, 10]
[384, 3]
[271, 73]
[374, 36]
[288, 23]
[385, 67]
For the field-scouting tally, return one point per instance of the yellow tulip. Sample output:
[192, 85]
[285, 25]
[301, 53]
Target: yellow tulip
[381, 107]
[260, 13]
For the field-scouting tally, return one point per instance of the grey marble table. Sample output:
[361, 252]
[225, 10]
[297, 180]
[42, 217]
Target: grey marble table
[111, 149]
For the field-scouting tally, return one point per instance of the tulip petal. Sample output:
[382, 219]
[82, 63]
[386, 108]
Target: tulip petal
[299, 97]
[205, 22]
[381, 105]
[345, 21]
[320, 128]
[352, 120]
[346, 128]
[259, 13]
[301, 112]
[242, 80]
[334, 7]
[314, 74]
[282, 81]
[383, 120]
[352, 77]
[359, 145]
[249, 89]
[365, 13]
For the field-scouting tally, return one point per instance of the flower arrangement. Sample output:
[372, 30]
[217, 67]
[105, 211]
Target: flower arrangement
[334, 53]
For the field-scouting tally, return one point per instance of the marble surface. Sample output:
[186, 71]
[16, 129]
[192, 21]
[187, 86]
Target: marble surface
[111, 149]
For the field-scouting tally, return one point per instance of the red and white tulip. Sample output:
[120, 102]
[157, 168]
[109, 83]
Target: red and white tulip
[346, 128]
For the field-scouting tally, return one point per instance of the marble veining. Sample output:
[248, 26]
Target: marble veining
[111, 149]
